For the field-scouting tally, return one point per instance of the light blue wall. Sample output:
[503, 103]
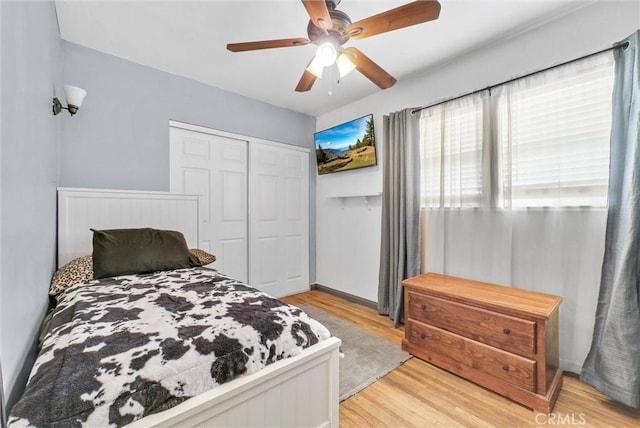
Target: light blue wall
[120, 137]
[29, 137]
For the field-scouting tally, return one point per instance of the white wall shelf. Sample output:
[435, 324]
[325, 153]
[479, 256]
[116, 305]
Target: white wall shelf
[366, 196]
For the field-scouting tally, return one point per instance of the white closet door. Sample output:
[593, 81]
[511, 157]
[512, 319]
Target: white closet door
[279, 219]
[215, 167]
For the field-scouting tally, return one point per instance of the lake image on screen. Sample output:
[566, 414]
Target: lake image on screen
[347, 146]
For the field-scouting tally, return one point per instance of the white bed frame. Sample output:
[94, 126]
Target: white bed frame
[301, 391]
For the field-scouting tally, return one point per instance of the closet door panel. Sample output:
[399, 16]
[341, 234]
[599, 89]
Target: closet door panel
[266, 208]
[268, 266]
[279, 215]
[265, 223]
[197, 181]
[294, 249]
[296, 229]
[254, 206]
[233, 194]
[293, 193]
[234, 254]
[215, 168]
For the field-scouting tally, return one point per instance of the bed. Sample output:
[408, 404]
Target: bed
[273, 365]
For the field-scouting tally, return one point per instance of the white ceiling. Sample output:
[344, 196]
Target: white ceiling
[188, 38]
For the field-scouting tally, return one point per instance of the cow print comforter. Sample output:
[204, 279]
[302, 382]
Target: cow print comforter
[122, 348]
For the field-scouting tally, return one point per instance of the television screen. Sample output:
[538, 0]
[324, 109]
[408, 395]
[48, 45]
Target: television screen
[348, 146]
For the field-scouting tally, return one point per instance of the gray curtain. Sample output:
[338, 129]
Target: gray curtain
[3, 416]
[613, 363]
[400, 240]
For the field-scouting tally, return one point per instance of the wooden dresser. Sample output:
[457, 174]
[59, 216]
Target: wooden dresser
[502, 338]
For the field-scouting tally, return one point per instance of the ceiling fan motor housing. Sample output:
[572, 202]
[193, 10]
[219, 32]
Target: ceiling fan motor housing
[332, 4]
[338, 33]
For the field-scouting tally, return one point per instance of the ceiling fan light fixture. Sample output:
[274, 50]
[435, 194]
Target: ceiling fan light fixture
[345, 66]
[316, 67]
[329, 29]
[326, 54]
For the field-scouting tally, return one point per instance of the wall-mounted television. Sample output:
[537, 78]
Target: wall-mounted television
[347, 146]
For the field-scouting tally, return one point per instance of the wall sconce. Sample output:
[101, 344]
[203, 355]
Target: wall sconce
[74, 96]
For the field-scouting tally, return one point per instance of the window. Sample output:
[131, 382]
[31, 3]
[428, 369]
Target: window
[553, 136]
[452, 153]
[546, 138]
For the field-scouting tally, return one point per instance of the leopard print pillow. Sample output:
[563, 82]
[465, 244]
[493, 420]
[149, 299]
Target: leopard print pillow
[204, 257]
[77, 270]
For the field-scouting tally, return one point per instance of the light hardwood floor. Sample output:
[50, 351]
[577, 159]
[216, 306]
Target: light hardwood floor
[418, 394]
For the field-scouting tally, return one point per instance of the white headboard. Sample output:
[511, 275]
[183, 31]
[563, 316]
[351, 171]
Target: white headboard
[81, 209]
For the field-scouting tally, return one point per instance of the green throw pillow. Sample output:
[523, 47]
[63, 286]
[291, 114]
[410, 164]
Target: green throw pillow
[130, 251]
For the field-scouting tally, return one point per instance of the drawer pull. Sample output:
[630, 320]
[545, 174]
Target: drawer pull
[505, 368]
[506, 331]
[423, 307]
[423, 336]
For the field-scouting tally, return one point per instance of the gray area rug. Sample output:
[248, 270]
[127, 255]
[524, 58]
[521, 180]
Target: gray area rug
[367, 357]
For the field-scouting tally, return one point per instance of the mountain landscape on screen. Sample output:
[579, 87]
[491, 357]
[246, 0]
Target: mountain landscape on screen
[347, 146]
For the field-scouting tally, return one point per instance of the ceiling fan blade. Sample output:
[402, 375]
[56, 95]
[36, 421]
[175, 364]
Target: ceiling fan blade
[413, 13]
[307, 80]
[319, 14]
[370, 69]
[266, 44]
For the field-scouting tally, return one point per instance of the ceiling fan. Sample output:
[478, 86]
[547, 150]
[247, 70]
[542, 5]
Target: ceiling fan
[330, 28]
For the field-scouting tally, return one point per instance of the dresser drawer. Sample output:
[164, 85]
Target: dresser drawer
[516, 370]
[502, 331]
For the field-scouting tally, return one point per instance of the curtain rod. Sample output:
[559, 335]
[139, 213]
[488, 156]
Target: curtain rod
[488, 88]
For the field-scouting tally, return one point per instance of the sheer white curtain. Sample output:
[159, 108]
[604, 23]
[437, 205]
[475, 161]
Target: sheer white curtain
[462, 235]
[552, 132]
[451, 164]
[538, 220]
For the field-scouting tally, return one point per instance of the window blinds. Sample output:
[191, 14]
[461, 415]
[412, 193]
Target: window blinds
[550, 144]
[452, 153]
[553, 136]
